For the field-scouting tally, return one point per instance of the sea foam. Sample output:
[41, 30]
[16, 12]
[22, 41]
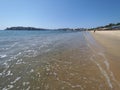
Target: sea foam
[3, 56]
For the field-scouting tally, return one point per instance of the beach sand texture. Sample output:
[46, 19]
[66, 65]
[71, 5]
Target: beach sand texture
[110, 40]
[81, 67]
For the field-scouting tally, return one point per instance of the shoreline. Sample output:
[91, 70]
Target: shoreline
[75, 61]
[110, 40]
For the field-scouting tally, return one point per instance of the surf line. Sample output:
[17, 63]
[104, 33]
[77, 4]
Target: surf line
[98, 65]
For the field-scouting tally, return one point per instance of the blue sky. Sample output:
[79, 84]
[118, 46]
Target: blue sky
[58, 13]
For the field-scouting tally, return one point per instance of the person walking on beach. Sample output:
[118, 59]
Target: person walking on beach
[94, 31]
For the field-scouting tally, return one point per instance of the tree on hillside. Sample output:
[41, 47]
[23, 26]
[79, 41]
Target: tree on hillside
[118, 24]
[110, 25]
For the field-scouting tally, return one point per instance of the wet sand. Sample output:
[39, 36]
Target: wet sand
[69, 69]
[77, 67]
[110, 40]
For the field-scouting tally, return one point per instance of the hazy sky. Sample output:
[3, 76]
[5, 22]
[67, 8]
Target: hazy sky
[58, 13]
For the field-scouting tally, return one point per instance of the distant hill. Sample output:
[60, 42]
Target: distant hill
[110, 26]
[71, 29]
[33, 28]
[24, 28]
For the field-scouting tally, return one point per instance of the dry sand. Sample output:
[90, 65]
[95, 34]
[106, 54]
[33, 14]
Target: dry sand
[110, 40]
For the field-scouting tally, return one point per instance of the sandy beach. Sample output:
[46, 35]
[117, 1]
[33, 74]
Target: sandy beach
[110, 40]
[71, 61]
[60, 45]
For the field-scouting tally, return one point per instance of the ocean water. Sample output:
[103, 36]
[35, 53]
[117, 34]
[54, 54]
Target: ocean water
[53, 60]
[28, 43]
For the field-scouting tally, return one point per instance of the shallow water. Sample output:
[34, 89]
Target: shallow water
[53, 60]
